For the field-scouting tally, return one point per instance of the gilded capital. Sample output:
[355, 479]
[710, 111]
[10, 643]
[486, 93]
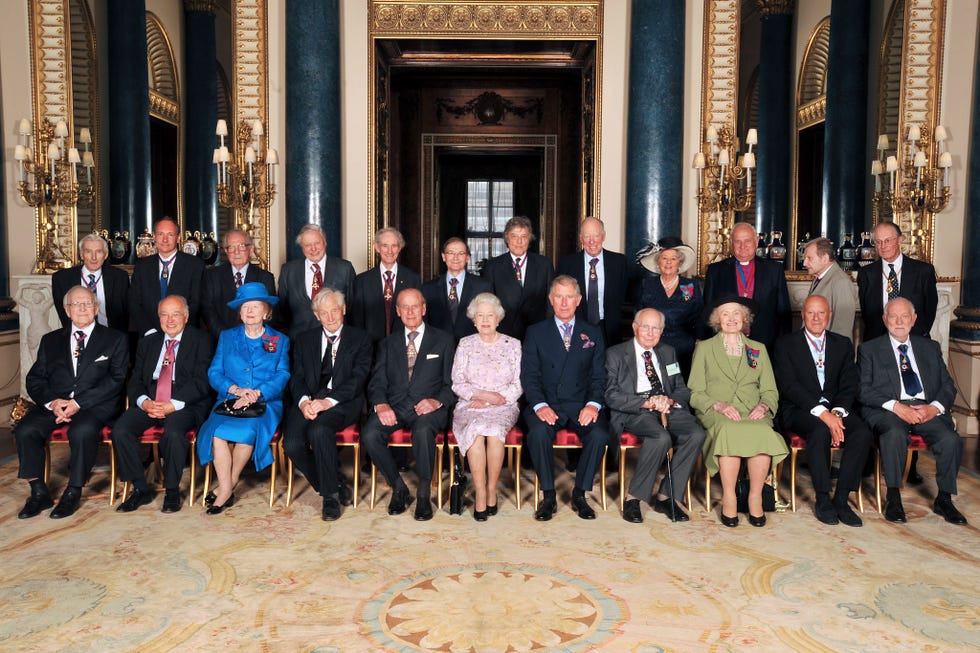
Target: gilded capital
[776, 7]
[199, 5]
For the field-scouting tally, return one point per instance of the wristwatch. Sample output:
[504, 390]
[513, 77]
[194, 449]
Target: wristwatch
[838, 412]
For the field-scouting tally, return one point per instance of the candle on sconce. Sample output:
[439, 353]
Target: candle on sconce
[752, 138]
[271, 159]
[85, 136]
[225, 158]
[919, 163]
[748, 162]
[250, 160]
[257, 128]
[20, 154]
[88, 162]
[711, 134]
[74, 159]
[914, 133]
[53, 155]
[61, 129]
[221, 130]
[946, 162]
[876, 173]
[882, 143]
[24, 127]
[723, 161]
[891, 165]
[699, 166]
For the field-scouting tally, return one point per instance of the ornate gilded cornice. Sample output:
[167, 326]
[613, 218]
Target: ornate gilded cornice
[811, 112]
[199, 5]
[545, 17]
[164, 107]
[776, 7]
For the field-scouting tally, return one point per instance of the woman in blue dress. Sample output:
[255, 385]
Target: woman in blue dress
[676, 296]
[250, 364]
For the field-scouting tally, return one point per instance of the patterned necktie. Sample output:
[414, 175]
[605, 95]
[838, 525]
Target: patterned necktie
[909, 378]
[566, 331]
[79, 343]
[389, 294]
[166, 380]
[592, 294]
[892, 282]
[517, 269]
[317, 281]
[91, 283]
[411, 352]
[238, 280]
[656, 388]
[164, 277]
[326, 365]
[453, 298]
[813, 286]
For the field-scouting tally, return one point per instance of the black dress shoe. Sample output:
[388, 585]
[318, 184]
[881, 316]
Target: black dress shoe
[847, 516]
[171, 501]
[730, 522]
[826, 512]
[136, 499]
[67, 505]
[209, 498]
[34, 505]
[582, 507]
[331, 509]
[399, 501]
[758, 522]
[491, 510]
[894, 512]
[215, 509]
[423, 509]
[663, 506]
[546, 509]
[946, 509]
[346, 495]
[480, 515]
[632, 512]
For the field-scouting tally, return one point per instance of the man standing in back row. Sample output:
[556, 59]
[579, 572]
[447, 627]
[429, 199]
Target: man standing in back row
[168, 272]
[372, 307]
[300, 280]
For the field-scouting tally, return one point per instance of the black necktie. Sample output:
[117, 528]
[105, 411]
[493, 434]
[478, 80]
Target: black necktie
[656, 388]
[892, 283]
[326, 365]
[592, 293]
[79, 343]
[909, 378]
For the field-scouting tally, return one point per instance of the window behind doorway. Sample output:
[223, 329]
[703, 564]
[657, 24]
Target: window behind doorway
[489, 205]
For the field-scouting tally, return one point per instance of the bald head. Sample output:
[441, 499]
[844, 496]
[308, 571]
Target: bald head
[744, 241]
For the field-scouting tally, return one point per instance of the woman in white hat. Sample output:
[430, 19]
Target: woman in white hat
[677, 297]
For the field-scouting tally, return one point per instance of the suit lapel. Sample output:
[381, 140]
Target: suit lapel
[924, 363]
[91, 343]
[804, 353]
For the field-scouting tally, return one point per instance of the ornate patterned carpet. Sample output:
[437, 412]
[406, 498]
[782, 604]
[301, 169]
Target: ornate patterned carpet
[261, 579]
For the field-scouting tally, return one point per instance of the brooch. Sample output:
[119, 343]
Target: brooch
[586, 342]
[753, 356]
[687, 290]
[270, 343]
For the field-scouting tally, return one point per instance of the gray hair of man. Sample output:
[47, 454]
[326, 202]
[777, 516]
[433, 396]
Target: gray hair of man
[660, 316]
[325, 294]
[897, 301]
[307, 228]
[184, 308]
[486, 298]
[65, 300]
[714, 320]
[519, 222]
[389, 230]
[602, 225]
[88, 238]
[823, 246]
[564, 280]
[230, 232]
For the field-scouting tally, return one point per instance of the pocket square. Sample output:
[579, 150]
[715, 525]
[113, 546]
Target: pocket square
[101, 358]
[429, 357]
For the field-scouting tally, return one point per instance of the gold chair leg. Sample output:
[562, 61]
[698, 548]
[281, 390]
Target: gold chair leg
[289, 482]
[438, 475]
[707, 489]
[517, 474]
[207, 484]
[878, 480]
[622, 477]
[535, 490]
[112, 476]
[272, 480]
[792, 478]
[357, 472]
[690, 503]
[47, 463]
[193, 488]
[374, 484]
[602, 476]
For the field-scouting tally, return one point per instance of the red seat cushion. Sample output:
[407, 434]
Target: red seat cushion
[795, 441]
[514, 437]
[917, 442]
[60, 434]
[566, 438]
[444, 438]
[628, 439]
[350, 435]
[402, 437]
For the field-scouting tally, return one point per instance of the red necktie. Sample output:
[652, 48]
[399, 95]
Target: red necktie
[166, 380]
[317, 281]
[238, 280]
[389, 292]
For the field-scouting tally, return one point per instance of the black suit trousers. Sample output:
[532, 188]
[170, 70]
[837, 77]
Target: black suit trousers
[173, 443]
[683, 433]
[84, 436]
[312, 446]
[893, 439]
[541, 438]
[854, 452]
[424, 428]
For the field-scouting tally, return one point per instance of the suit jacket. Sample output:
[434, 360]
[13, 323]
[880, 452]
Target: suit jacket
[186, 277]
[565, 380]
[437, 304]
[621, 372]
[917, 284]
[115, 284]
[219, 289]
[98, 383]
[431, 378]
[350, 369]
[295, 311]
[191, 364]
[770, 293]
[838, 288]
[881, 380]
[367, 306]
[796, 375]
[614, 290]
[524, 305]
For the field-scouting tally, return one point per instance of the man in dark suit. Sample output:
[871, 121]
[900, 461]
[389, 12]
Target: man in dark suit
[564, 377]
[449, 295]
[645, 382]
[747, 275]
[602, 275]
[77, 380]
[169, 388]
[520, 279]
[818, 386]
[223, 281]
[896, 275]
[410, 387]
[905, 387]
[376, 291]
[301, 280]
[109, 283]
[330, 366]
[168, 272]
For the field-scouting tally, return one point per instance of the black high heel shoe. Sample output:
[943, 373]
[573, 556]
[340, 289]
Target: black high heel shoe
[730, 522]
[758, 522]
[492, 510]
[479, 515]
[217, 510]
[209, 498]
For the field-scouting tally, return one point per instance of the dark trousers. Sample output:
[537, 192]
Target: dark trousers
[541, 438]
[683, 433]
[84, 436]
[173, 443]
[893, 440]
[854, 452]
[424, 428]
[312, 446]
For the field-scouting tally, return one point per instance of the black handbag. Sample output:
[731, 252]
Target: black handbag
[227, 409]
[458, 488]
[742, 496]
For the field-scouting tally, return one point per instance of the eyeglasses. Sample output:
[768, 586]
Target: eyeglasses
[81, 304]
[237, 248]
[449, 253]
[885, 241]
[647, 327]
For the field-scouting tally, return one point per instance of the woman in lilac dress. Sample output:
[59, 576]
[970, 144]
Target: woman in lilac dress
[487, 379]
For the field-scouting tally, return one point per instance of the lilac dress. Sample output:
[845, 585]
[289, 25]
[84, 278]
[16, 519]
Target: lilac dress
[480, 366]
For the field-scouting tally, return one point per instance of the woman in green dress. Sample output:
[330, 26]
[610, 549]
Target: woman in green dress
[733, 394]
